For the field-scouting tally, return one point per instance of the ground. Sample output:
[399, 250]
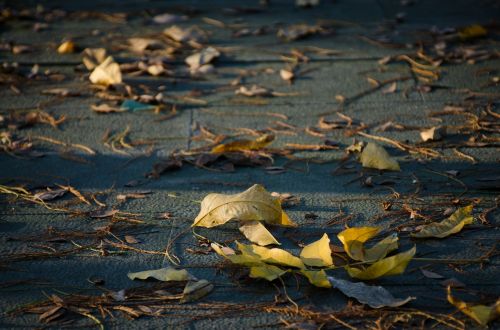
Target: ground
[355, 66]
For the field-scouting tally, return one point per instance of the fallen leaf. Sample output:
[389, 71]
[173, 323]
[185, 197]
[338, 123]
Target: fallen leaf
[196, 290]
[271, 256]
[393, 265]
[131, 239]
[268, 272]
[92, 57]
[429, 274]
[254, 204]
[244, 145]
[390, 89]
[433, 133]
[184, 35]
[255, 232]
[480, 313]
[472, 32]
[107, 73]
[375, 156]
[162, 274]
[354, 238]
[139, 45]
[239, 259]
[199, 59]
[449, 226]
[50, 194]
[254, 90]
[66, 47]
[317, 278]
[373, 296]
[105, 108]
[318, 254]
[287, 75]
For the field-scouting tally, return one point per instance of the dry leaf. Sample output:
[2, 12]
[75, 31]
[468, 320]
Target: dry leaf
[184, 35]
[255, 232]
[239, 259]
[390, 89]
[271, 256]
[318, 254]
[50, 194]
[254, 90]
[139, 45]
[244, 145]
[353, 240]
[287, 75]
[198, 60]
[433, 133]
[394, 265]
[317, 278]
[449, 226]
[168, 18]
[429, 274]
[196, 290]
[373, 296]
[107, 73]
[375, 156]
[162, 274]
[268, 272]
[66, 47]
[254, 204]
[480, 313]
[92, 57]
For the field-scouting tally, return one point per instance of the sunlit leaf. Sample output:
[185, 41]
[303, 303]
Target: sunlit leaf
[257, 233]
[254, 204]
[239, 259]
[204, 57]
[92, 57]
[354, 238]
[318, 254]
[66, 47]
[381, 249]
[449, 226]
[373, 296]
[271, 256]
[268, 272]
[317, 278]
[480, 313]
[375, 156]
[106, 73]
[393, 265]
[244, 145]
[162, 274]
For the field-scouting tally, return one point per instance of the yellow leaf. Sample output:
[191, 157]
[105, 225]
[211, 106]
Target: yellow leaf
[394, 265]
[271, 256]
[162, 274]
[375, 156]
[269, 272]
[66, 47]
[92, 57]
[381, 249]
[239, 259]
[244, 145]
[354, 238]
[254, 204]
[318, 254]
[196, 290]
[257, 233]
[106, 73]
[472, 31]
[317, 278]
[452, 225]
[479, 313]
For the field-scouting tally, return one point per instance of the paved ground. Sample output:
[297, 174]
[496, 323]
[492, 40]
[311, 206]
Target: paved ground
[342, 59]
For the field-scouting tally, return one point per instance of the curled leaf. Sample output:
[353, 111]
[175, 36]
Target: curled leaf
[244, 145]
[318, 254]
[257, 233]
[354, 238]
[480, 313]
[449, 226]
[317, 278]
[373, 296]
[375, 156]
[254, 204]
[162, 274]
[393, 265]
[271, 256]
[196, 290]
[106, 73]
[204, 57]
[268, 272]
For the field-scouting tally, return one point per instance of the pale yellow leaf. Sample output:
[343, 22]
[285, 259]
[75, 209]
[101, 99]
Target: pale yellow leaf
[375, 156]
[318, 254]
[317, 278]
[271, 256]
[268, 272]
[244, 145]
[92, 57]
[381, 249]
[480, 313]
[394, 265]
[449, 226]
[162, 274]
[257, 233]
[354, 238]
[254, 204]
[106, 73]
[239, 259]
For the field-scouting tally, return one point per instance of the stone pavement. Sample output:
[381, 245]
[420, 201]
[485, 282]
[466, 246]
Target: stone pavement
[343, 61]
